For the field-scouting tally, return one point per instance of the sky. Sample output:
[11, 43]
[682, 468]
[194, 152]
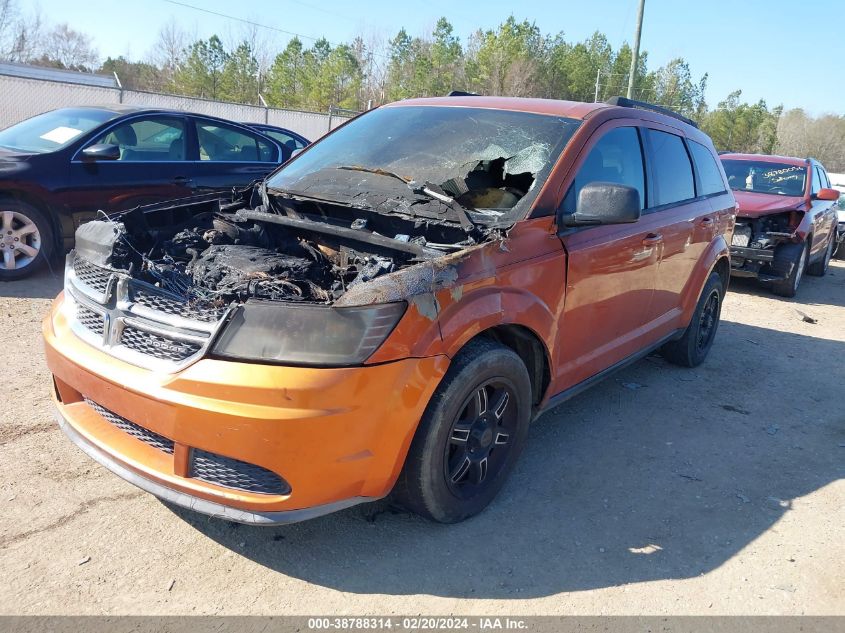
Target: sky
[785, 52]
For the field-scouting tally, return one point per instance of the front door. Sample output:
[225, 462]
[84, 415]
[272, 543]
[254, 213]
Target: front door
[151, 167]
[611, 269]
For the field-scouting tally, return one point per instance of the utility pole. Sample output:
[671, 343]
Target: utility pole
[598, 76]
[635, 54]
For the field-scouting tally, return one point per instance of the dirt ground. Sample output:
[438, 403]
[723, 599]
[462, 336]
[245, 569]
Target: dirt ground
[719, 490]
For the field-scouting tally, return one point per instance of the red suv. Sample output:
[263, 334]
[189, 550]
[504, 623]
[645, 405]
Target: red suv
[786, 219]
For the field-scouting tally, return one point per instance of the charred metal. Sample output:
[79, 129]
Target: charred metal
[277, 247]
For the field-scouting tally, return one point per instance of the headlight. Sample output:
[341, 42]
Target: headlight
[307, 334]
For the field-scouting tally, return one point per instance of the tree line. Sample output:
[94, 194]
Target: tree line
[514, 59]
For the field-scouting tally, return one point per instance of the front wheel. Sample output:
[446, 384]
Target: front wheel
[692, 348]
[796, 255]
[26, 240]
[470, 435]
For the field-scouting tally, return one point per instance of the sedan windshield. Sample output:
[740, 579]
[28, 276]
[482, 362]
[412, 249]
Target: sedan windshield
[780, 179]
[54, 130]
[494, 160]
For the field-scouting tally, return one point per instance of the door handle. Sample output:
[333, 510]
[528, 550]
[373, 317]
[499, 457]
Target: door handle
[652, 239]
[182, 180]
[705, 222]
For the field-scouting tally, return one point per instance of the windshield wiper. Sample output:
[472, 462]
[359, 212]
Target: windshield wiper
[380, 172]
[437, 193]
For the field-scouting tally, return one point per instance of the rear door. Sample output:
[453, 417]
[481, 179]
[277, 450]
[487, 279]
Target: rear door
[151, 167]
[684, 221]
[611, 269]
[230, 156]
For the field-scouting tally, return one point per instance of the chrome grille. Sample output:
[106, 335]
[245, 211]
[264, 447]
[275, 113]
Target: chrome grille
[233, 473]
[93, 276]
[163, 303]
[160, 347]
[138, 432]
[90, 319]
[135, 321]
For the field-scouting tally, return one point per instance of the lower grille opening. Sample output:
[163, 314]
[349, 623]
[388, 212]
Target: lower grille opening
[138, 432]
[235, 474]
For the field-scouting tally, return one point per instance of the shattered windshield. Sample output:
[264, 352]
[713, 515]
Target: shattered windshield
[764, 177]
[485, 160]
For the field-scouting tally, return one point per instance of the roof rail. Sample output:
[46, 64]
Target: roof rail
[462, 93]
[643, 105]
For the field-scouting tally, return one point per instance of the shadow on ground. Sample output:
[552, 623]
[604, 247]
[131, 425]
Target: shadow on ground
[46, 283]
[657, 473]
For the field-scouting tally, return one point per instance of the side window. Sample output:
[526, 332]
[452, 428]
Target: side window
[708, 170]
[817, 180]
[285, 139]
[825, 179]
[156, 139]
[673, 180]
[219, 142]
[617, 157]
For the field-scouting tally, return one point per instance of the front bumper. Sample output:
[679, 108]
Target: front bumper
[760, 263]
[335, 436]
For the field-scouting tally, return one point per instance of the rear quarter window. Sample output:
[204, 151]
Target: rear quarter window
[709, 174]
[672, 170]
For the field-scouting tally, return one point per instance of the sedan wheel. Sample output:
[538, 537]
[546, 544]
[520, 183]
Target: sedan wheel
[20, 242]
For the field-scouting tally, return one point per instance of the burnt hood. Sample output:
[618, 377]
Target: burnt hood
[755, 205]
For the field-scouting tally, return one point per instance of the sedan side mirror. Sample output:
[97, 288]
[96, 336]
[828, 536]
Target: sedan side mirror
[827, 194]
[605, 203]
[101, 151]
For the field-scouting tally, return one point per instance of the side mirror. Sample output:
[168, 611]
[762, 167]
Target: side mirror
[101, 151]
[605, 203]
[828, 194]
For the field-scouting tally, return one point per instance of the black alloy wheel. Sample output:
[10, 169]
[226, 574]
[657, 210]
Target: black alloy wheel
[479, 440]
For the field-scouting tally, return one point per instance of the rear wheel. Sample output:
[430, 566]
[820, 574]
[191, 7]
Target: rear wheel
[470, 436]
[819, 268]
[796, 254]
[692, 348]
[26, 240]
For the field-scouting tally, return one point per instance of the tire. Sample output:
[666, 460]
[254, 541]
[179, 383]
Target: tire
[692, 348]
[26, 239]
[467, 444]
[819, 268]
[796, 255]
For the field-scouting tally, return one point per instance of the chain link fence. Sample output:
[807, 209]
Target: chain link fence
[24, 97]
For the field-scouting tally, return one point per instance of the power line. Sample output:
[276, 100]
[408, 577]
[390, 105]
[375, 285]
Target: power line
[265, 26]
[243, 20]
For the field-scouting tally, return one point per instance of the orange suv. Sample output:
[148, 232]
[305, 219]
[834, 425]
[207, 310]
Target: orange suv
[390, 309]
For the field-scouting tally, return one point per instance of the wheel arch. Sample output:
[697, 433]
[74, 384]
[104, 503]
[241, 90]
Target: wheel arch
[526, 344]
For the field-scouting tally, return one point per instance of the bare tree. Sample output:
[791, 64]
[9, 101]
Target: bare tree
[170, 48]
[8, 18]
[66, 48]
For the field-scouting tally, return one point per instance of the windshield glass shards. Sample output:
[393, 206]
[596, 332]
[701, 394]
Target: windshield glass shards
[485, 160]
[764, 177]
